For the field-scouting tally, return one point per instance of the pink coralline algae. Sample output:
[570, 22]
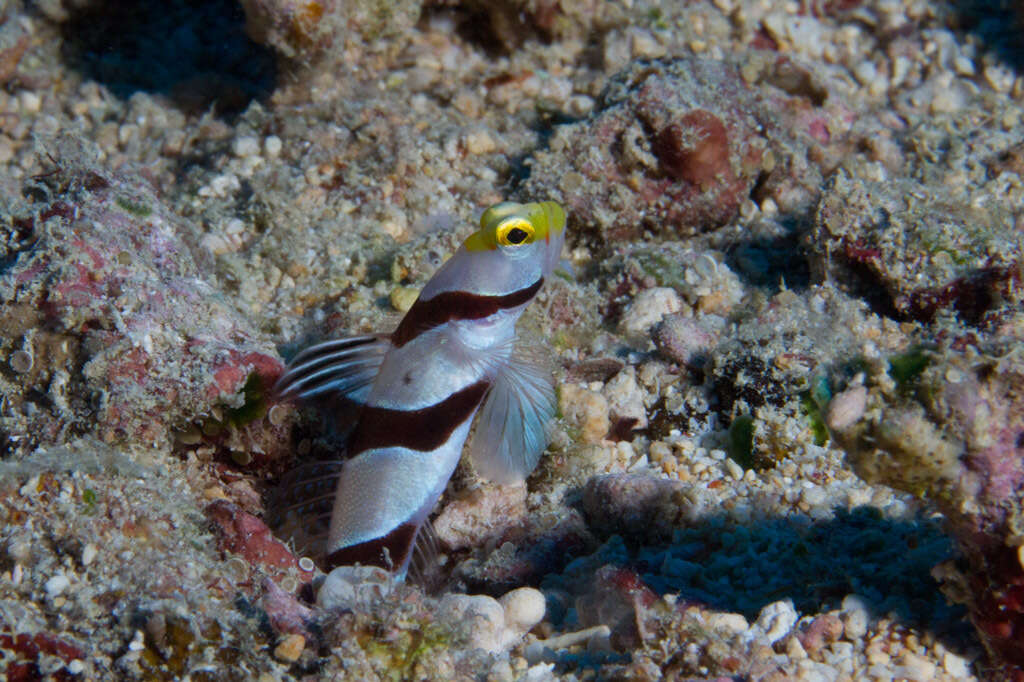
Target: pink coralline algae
[952, 432]
[677, 146]
[106, 293]
[27, 650]
[247, 535]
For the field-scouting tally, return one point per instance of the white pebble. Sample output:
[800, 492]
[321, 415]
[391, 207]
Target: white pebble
[480, 142]
[814, 495]
[847, 408]
[955, 666]
[999, 77]
[626, 398]
[581, 105]
[89, 553]
[855, 617]
[138, 642]
[524, 608]
[31, 103]
[272, 146]
[483, 617]
[777, 619]
[246, 146]
[917, 668]
[647, 309]
[732, 622]
[56, 585]
[350, 587]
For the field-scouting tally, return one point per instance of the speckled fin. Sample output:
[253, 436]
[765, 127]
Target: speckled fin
[299, 508]
[511, 430]
[343, 367]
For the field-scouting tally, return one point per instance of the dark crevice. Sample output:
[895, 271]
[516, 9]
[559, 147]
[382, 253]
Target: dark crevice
[193, 51]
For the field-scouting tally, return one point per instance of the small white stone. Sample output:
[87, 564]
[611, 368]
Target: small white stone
[524, 608]
[917, 668]
[644, 45]
[56, 585]
[223, 185]
[31, 103]
[955, 666]
[626, 398]
[349, 587]
[847, 408]
[480, 142]
[732, 622]
[89, 553]
[866, 72]
[483, 617]
[76, 666]
[814, 495]
[247, 145]
[734, 469]
[777, 619]
[855, 618]
[647, 309]
[581, 105]
[963, 65]
[138, 642]
[272, 146]
[999, 77]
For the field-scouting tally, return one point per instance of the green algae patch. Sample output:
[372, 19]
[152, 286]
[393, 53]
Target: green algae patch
[907, 367]
[741, 441]
[136, 208]
[254, 403]
[813, 403]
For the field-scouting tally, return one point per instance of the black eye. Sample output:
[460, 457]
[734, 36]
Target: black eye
[516, 236]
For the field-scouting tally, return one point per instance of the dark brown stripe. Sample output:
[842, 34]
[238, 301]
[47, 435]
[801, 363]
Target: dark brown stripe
[424, 429]
[456, 305]
[398, 544]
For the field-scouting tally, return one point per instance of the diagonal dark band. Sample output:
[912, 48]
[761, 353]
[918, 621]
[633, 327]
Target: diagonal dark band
[457, 305]
[399, 543]
[424, 429]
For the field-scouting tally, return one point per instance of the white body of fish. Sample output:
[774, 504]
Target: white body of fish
[452, 357]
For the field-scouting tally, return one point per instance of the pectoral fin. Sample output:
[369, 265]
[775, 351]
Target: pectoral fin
[511, 430]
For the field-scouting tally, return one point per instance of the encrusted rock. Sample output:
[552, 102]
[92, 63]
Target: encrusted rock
[586, 409]
[678, 144]
[648, 308]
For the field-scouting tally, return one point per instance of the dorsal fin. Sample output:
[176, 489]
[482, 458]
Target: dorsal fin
[345, 367]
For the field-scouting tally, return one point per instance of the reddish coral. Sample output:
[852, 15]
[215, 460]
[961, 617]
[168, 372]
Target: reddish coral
[695, 149]
[285, 612]
[27, 649]
[114, 280]
[971, 296]
[619, 599]
[247, 535]
[679, 145]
